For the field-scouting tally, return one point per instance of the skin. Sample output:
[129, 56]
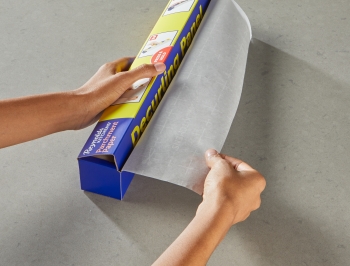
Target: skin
[45, 114]
[130, 93]
[232, 188]
[231, 192]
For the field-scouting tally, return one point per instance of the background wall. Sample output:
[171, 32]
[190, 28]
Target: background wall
[292, 124]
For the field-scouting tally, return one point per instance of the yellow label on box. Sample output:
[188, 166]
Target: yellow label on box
[164, 36]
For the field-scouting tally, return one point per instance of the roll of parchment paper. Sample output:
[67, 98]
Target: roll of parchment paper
[200, 104]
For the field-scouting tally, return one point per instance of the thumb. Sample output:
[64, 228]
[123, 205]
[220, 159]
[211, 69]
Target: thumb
[126, 79]
[212, 157]
[144, 71]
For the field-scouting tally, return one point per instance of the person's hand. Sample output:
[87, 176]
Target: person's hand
[231, 192]
[231, 185]
[107, 85]
[45, 114]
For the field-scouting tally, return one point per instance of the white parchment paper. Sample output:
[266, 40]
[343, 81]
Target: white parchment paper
[197, 111]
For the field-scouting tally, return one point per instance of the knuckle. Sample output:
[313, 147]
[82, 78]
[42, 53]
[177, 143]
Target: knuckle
[257, 204]
[106, 66]
[221, 165]
[221, 162]
[120, 76]
[262, 182]
[246, 217]
[125, 58]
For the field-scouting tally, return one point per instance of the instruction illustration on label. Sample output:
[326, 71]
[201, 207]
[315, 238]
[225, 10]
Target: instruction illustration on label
[134, 93]
[157, 42]
[177, 6]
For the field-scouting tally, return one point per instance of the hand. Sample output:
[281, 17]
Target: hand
[232, 185]
[133, 93]
[231, 192]
[45, 114]
[107, 85]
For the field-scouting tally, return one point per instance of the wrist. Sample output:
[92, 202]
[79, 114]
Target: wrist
[79, 108]
[218, 208]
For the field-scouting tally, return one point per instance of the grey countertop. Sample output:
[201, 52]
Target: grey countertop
[293, 125]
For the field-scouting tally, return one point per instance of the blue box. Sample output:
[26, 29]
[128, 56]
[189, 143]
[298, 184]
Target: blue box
[104, 154]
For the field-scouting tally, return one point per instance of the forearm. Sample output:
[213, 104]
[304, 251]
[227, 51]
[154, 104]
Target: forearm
[231, 192]
[32, 117]
[198, 241]
[27, 118]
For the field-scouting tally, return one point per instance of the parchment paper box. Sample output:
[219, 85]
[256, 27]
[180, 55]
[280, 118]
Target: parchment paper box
[121, 125]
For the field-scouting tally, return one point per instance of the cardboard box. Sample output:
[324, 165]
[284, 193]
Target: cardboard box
[121, 125]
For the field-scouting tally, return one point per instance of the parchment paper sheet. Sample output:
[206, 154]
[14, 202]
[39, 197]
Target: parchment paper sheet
[197, 111]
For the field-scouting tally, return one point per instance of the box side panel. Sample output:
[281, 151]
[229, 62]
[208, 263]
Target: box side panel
[124, 149]
[106, 137]
[100, 177]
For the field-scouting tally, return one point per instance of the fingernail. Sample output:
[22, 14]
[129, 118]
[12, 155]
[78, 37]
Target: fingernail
[160, 67]
[211, 152]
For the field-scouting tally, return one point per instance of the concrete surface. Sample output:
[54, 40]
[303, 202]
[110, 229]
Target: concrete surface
[293, 125]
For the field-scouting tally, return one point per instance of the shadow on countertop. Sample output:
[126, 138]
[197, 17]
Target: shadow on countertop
[291, 125]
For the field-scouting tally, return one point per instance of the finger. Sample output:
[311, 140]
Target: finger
[256, 204]
[124, 65]
[124, 80]
[245, 217]
[261, 181]
[238, 164]
[119, 65]
[145, 71]
[212, 157]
